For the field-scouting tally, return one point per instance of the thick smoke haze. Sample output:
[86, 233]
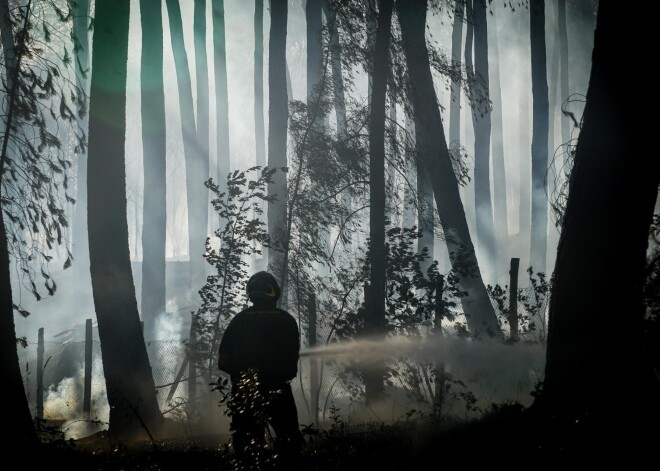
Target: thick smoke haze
[492, 365]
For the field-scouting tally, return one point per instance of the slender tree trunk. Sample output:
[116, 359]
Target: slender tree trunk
[524, 159]
[198, 265]
[435, 157]
[481, 119]
[375, 315]
[563, 68]
[315, 70]
[129, 383]
[455, 103]
[612, 193]
[337, 76]
[194, 156]
[277, 136]
[555, 158]
[260, 137]
[425, 216]
[539, 232]
[314, 19]
[259, 132]
[154, 215]
[500, 214]
[221, 94]
[80, 249]
[372, 25]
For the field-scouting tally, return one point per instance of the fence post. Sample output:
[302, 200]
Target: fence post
[192, 370]
[40, 374]
[313, 362]
[440, 376]
[513, 299]
[87, 389]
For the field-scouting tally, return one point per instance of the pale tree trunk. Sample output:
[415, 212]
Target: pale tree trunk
[481, 119]
[371, 25]
[277, 137]
[554, 150]
[522, 241]
[80, 249]
[194, 158]
[563, 68]
[129, 382]
[314, 19]
[612, 193]
[500, 213]
[154, 214]
[221, 95]
[259, 132]
[539, 232]
[198, 266]
[23, 436]
[435, 158]
[455, 103]
[335, 64]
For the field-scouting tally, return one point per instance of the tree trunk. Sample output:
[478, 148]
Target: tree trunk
[375, 314]
[539, 232]
[435, 157]
[481, 120]
[277, 136]
[314, 20]
[335, 64]
[500, 213]
[601, 258]
[23, 435]
[154, 214]
[198, 265]
[425, 217]
[129, 383]
[80, 246]
[259, 83]
[524, 174]
[221, 95]
[195, 159]
[455, 103]
[563, 68]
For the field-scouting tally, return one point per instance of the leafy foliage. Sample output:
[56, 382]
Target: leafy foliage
[41, 111]
[241, 236]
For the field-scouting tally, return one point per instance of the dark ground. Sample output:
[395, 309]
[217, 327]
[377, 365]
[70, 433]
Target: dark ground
[510, 437]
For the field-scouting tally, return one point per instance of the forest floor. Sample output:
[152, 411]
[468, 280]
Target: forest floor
[510, 436]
